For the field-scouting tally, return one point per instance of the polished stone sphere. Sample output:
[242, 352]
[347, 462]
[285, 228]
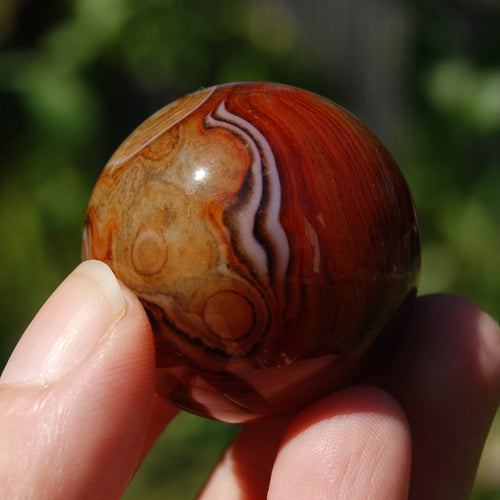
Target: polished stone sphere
[271, 239]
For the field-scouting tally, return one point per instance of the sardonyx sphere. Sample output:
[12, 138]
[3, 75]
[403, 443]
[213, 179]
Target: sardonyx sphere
[271, 239]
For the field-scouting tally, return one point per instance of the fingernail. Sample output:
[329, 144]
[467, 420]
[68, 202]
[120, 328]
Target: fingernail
[72, 323]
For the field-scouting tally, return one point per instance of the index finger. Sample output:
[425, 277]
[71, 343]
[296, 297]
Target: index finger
[446, 375]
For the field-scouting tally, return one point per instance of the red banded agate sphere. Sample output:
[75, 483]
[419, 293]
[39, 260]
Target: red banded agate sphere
[271, 239]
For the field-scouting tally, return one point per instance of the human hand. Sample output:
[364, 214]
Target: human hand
[78, 410]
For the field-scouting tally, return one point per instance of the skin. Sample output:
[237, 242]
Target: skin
[82, 378]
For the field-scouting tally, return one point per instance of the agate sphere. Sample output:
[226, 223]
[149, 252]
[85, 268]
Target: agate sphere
[271, 239]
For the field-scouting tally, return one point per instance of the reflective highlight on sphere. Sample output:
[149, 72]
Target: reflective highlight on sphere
[271, 239]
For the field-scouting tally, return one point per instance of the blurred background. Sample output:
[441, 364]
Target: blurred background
[76, 77]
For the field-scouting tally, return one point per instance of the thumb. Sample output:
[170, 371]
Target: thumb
[76, 394]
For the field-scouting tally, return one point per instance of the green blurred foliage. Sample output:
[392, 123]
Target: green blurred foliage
[76, 76]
